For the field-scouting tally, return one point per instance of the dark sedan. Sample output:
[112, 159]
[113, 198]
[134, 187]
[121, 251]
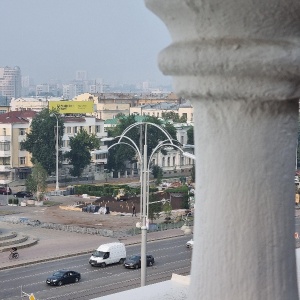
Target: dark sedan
[23, 194]
[134, 261]
[62, 277]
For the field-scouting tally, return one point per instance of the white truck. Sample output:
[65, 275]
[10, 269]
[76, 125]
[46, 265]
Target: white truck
[107, 254]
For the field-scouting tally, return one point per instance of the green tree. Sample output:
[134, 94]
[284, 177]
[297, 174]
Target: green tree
[41, 140]
[190, 136]
[36, 181]
[154, 208]
[174, 117]
[79, 156]
[157, 173]
[120, 154]
[167, 209]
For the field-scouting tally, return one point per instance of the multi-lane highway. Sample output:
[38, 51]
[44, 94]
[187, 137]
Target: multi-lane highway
[171, 256]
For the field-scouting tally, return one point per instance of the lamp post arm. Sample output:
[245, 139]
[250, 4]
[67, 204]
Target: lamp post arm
[132, 145]
[127, 144]
[169, 137]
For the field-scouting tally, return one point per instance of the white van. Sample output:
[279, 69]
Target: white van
[107, 254]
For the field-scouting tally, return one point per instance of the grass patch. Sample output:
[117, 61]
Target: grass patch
[51, 203]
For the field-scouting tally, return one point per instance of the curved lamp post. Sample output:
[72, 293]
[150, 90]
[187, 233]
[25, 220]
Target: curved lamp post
[145, 167]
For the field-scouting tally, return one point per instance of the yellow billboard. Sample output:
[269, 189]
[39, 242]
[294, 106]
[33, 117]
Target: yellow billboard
[72, 107]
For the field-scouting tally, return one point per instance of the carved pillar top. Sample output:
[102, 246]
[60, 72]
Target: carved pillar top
[236, 49]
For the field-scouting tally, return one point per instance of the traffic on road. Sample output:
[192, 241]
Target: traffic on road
[171, 256]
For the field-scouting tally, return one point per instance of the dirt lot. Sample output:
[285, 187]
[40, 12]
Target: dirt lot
[120, 216]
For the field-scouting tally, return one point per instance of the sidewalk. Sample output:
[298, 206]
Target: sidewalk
[58, 244]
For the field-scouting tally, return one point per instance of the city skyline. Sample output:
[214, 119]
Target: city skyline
[115, 40]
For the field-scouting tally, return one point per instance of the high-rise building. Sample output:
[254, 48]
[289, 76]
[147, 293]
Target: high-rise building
[10, 82]
[81, 75]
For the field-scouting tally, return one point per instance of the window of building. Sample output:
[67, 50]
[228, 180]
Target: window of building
[21, 147]
[182, 139]
[90, 129]
[5, 161]
[22, 131]
[184, 115]
[22, 160]
[97, 128]
[168, 161]
[4, 131]
[163, 162]
[75, 129]
[4, 146]
[101, 156]
[173, 161]
[68, 129]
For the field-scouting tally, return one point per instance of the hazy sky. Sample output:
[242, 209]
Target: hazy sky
[117, 40]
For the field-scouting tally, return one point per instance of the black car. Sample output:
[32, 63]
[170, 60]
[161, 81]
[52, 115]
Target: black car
[23, 194]
[62, 277]
[134, 261]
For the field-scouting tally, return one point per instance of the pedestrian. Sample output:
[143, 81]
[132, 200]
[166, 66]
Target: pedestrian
[133, 210]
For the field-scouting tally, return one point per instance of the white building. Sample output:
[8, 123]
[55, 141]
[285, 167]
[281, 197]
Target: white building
[184, 109]
[10, 82]
[31, 103]
[92, 125]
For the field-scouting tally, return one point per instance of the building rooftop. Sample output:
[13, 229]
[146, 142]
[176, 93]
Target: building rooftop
[13, 117]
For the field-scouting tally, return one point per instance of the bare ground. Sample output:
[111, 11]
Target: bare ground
[119, 218]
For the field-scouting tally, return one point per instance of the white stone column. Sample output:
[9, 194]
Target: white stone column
[238, 62]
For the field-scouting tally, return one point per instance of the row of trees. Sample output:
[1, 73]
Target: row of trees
[41, 143]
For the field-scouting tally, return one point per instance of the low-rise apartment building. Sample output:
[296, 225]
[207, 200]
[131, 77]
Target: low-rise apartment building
[15, 162]
[92, 125]
[31, 103]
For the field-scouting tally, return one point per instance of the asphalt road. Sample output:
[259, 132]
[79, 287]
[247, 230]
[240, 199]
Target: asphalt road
[171, 256]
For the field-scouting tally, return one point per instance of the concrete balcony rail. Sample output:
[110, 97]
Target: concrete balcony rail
[5, 153]
[5, 138]
[5, 168]
[100, 161]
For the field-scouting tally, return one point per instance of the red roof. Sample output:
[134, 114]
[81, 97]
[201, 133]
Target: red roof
[13, 117]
